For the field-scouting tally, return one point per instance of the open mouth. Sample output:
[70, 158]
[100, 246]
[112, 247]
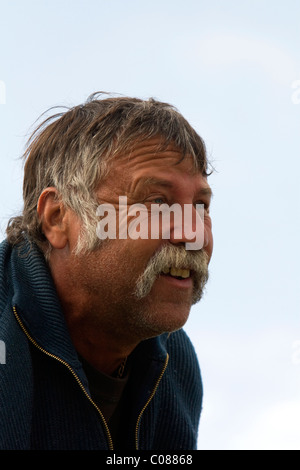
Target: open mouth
[177, 273]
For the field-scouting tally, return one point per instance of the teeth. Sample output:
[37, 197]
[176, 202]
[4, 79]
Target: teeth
[180, 272]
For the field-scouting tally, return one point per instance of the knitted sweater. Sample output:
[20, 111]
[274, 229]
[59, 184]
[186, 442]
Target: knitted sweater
[45, 401]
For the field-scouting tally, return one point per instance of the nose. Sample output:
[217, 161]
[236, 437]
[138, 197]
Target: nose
[190, 229]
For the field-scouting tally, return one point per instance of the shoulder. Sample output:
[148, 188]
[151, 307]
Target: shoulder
[181, 392]
[180, 345]
[5, 250]
[183, 360]
[5, 281]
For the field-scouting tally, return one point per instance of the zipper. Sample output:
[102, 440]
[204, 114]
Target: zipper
[57, 358]
[148, 401]
[110, 442]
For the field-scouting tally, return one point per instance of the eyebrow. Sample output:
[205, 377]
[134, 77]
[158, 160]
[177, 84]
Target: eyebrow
[157, 182]
[207, 191]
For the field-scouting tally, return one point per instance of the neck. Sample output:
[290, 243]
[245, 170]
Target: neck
[98, 347]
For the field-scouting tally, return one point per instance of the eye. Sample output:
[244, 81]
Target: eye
[158, 200]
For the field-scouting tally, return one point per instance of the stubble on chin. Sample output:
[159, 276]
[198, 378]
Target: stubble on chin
[156, 313]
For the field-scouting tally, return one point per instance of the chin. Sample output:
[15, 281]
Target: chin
[166, 319]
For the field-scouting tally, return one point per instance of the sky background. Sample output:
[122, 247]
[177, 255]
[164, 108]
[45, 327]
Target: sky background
[229, 67]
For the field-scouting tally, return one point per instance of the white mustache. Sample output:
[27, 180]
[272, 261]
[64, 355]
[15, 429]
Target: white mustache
[178, 257]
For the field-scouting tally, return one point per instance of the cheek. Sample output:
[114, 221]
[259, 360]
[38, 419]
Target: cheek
[137, 252]
[125, 260]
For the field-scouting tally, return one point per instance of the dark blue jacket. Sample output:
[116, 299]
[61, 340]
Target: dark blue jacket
[45, 402]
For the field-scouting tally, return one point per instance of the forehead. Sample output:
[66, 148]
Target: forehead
[150, 155]
[149, 164]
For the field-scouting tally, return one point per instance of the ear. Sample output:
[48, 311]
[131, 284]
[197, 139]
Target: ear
[52, 214]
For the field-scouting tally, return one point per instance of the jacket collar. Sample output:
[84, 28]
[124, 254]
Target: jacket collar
[37, 304]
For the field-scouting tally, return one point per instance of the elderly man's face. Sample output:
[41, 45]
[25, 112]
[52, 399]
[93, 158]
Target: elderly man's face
[111, 273]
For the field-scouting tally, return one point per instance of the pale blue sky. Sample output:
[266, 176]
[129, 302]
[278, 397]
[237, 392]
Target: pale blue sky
[228, 66]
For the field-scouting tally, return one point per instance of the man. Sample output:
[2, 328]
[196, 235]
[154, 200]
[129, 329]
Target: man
[96, 357]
